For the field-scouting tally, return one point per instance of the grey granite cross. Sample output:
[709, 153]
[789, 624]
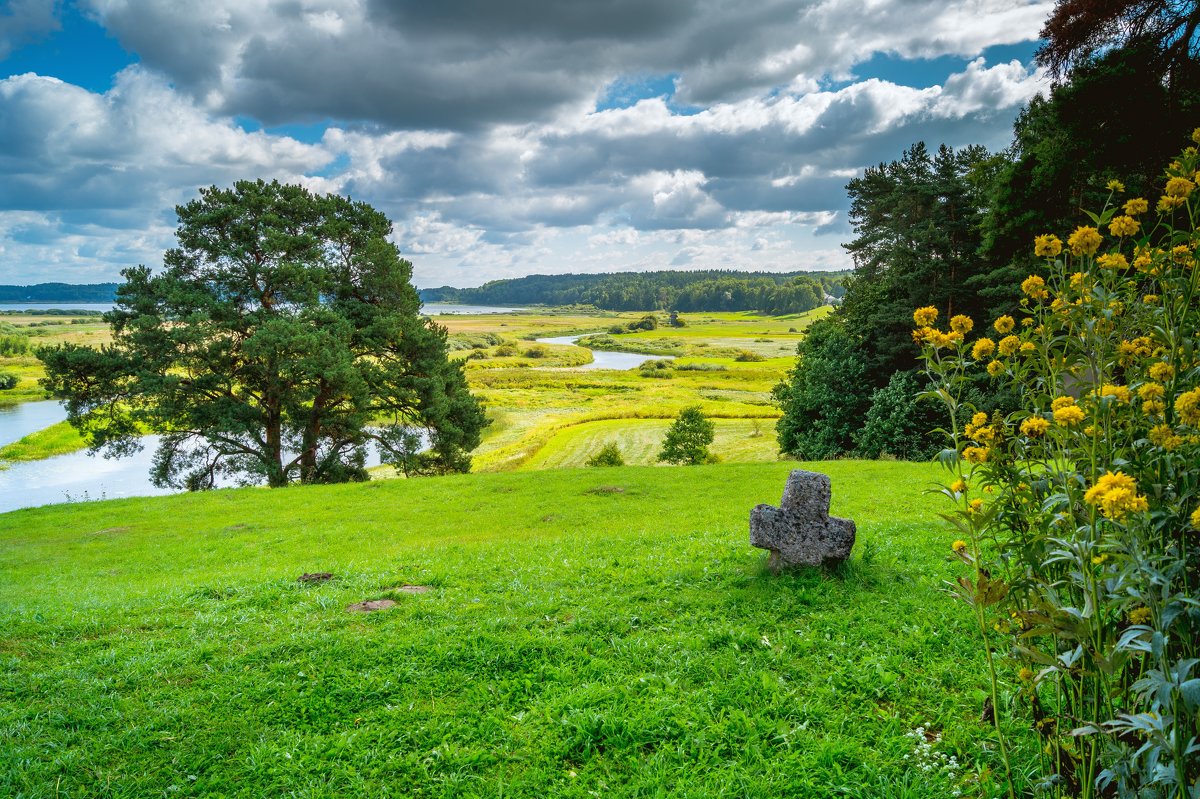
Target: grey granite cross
[800, 532]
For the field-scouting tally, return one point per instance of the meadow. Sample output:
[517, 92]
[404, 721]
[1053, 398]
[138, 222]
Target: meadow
[534, 393]
[588, 632]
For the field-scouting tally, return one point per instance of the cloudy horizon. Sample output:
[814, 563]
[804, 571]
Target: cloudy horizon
[501, 139]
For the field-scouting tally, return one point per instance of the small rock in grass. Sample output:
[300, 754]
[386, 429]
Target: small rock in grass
[800, 532]
[315, 577]
[371, 605]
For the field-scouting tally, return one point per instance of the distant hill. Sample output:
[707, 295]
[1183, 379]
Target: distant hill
[59, 292]
[709, 290]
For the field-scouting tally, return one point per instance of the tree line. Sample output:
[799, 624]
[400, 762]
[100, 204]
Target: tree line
[59, 292]
[707, 290]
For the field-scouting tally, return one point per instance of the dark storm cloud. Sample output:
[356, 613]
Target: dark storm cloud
[466, 64]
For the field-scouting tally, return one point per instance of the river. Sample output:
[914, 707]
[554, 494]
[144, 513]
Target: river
[602, 359]
[79, 477]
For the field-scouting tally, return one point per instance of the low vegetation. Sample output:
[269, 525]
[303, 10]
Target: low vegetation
[589, 631]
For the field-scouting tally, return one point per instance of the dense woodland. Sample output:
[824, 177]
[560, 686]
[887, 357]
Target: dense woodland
[711, 290]
[59, 292]
[954, 228]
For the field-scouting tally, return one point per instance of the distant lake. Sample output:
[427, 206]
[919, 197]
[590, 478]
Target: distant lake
[429, 308]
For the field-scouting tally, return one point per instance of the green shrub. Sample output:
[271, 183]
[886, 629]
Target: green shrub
[8, 380]
[659, 367]
[507, 350]
[14, 344]
[537, 351]
[826, 395]
[899, 422]
[748, 356]
[688, 439]
[609, 455]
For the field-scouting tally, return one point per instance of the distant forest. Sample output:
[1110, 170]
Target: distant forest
[59, 292]
[711, 290]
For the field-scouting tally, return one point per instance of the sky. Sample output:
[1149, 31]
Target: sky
[501, 138]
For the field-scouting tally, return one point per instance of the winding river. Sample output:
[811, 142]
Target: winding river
[79, 477]
[603, 359]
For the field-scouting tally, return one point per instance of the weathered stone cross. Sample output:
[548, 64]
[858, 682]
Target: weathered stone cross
[800, 532]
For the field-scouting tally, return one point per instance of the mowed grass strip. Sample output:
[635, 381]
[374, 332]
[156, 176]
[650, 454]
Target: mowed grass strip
[640, 440]
[589, 632]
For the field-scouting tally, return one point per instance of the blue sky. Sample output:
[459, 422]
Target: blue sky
[502, 139]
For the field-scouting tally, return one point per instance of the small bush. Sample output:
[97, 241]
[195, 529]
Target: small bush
[14, 345]
[748, 356]
[609, 455]
[537, 351]
[616, 330]
[702, 367]
[8, 381]
[688, 438]
[648, 322]
[656, 368]
[506, 350]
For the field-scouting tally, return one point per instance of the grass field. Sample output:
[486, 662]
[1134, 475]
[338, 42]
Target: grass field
[590, 632]
[533, 393]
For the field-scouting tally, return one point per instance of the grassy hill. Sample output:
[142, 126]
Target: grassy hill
[589, 632]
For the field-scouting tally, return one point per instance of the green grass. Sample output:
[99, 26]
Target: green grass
[57, 439]
[591, 632]
[736, 441]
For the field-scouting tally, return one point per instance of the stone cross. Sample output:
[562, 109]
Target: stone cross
[800, 532]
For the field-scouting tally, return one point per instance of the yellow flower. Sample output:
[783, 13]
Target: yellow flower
[959, 545]
[1139, 616]
[1115, 185]
[1169, 203]
[1137, 205]
[1196, 135]
[1123, 226]
[961, 324]
[1187, 407]
[1009, 345]
[1115, 496]
[1025, 674]
[1084, 241]
[925, 317]
[1154, 407]
[1161, 435]
[1195, 518]
[1004, 324]
[1035, 287]
[1069, 415]
[958, 486]
[975, 505]
[1061, 402]
[1098, 559]
[1151, 391]
[1179, 187]
[1027, 347]
[983, 348]
[938, 339]
[922, 335]
[1034, 426]
[1150, 299]
[975, 454]
[1120, 393]
[1112, 260]
[995, 368]
[979, 419]
[1162, 372]
[1047, 246]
